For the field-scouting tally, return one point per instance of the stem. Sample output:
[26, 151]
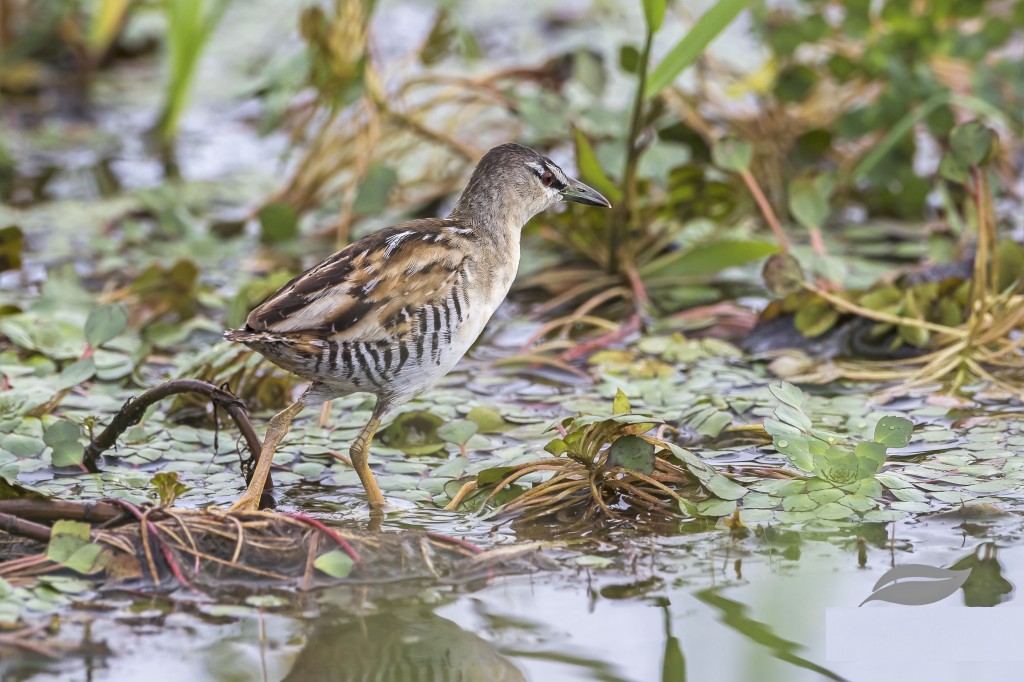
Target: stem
[133, 410]
[624, 214]
[766, 209]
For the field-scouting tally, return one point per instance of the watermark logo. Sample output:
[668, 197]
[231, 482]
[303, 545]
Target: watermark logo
[920, 585]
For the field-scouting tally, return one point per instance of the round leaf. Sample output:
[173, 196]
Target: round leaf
[105, 323]
[632, 452]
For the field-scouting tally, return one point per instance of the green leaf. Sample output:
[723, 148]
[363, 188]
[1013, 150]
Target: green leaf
[654, 14]
[870, 458]
[457, 431]
[62, 436]
[621, 403]
[105, 323]
[375, 189]
[70, 546]
[489, 477]
[787, 394]
[693, 44]
[807, 203]
[12, 243]
[632, 452]
[488, 420]
[414, 433]
[168, 487]
[732, 154]
[839, 465]
[278, 222]
[894, 432]
[714, 507]
[971, 143]
[591, 171]
[815, 318]
[709, 258]
[76, 373]
[833, 511]
[951, 169]
[335, 563]
[783, 275]
[557, 447]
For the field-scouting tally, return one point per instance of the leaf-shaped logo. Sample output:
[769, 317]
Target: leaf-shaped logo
[922, 585]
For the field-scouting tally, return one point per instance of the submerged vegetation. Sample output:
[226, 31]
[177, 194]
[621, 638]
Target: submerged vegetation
[802, 321]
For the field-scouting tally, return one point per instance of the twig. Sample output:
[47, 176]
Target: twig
[131, 413]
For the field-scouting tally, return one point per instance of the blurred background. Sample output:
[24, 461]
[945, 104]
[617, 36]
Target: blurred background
[245, 141]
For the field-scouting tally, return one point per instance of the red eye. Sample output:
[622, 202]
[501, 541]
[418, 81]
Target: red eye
[546, 178]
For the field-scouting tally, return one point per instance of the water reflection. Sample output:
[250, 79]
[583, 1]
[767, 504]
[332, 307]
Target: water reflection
[985, 586]
[407, 645]
[734, 615]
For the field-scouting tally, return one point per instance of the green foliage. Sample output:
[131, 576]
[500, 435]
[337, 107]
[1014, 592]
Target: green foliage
[62, 437]
[105, 323]
[733, 154]
[693, 44]
[70, 547]
[190, 23]
[168, 487]
[843, 475]
[12, 243]
[278, 222]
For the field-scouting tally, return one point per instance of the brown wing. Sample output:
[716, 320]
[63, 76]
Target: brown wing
[370, 290]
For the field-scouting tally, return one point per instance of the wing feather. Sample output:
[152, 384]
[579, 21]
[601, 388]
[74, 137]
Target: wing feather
[370, 290]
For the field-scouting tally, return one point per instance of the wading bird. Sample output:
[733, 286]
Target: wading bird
[392, 313]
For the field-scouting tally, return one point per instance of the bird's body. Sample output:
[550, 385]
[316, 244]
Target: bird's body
[392, 313]
[389, 315]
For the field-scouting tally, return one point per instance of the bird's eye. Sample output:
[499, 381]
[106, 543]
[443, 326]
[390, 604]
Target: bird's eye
[546, 178]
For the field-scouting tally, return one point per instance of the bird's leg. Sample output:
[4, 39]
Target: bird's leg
[276, 430]
[360, 454]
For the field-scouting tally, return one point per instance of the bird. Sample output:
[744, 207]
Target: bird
[393, 312]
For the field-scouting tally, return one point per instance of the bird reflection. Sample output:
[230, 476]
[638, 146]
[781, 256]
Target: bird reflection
[407, 646]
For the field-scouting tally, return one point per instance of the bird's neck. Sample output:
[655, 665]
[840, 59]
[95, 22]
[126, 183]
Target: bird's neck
[500, 221]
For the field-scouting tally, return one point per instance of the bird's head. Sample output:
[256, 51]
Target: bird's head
[513, 183]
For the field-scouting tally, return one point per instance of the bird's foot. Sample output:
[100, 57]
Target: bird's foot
[248, 502]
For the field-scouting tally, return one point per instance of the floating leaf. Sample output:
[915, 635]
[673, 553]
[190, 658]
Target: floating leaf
[870, 458]
[632, 452]
[335, 563]
[894, 432]
[457, 431]
[922, 585]
[488, 420]
[62, 436]
[76, 373]
[70, 546]
[414, 433]
[105, 323]
[787, 393]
